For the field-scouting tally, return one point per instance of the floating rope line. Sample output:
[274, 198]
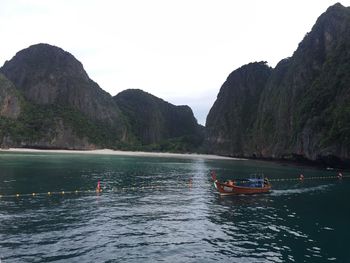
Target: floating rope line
[302, 178]
[43, 194]
[152, 187]
[97, 191]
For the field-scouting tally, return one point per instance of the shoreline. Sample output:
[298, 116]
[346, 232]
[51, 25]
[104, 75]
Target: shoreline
[306, 163]
[122, 153]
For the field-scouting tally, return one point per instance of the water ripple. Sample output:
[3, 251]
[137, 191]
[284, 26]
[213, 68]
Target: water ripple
[174, 222]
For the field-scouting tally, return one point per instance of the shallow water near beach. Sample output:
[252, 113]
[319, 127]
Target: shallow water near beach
[166, 210]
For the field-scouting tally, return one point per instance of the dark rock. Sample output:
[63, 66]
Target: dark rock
[49, 75]
[62, 106]
[153, 119]
[10, 103]
[230, 121]
[304, 106]
[58, 137]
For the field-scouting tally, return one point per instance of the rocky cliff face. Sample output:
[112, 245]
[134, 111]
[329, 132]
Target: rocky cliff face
[154, 120]
[231, 119]
[10, 102]
[49, 75]
[304, 106]
[48, 101]
[62, 107]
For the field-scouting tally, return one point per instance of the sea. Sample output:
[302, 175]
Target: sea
[157, 209]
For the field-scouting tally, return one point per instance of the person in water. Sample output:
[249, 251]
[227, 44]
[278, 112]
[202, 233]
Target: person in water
[98, 188]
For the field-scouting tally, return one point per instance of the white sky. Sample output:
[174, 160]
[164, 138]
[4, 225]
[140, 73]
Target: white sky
[179, 50]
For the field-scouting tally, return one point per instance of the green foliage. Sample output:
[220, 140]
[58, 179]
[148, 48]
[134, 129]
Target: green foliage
[38, 122]
[340, 126]
[325, 106]
[183, 144]
[157, 124]
[45, 121]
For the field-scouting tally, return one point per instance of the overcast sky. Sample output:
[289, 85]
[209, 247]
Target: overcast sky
[180, 50]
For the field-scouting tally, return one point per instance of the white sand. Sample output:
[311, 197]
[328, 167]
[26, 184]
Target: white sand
[124, 153]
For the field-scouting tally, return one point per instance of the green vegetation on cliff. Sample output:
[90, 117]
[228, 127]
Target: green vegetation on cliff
[47, 100]
[55, 126]
[230, 121]
[48, 75]
[159, 125]
[301, 110]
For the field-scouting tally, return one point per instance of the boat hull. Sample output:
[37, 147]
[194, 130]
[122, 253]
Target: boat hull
[226, 189]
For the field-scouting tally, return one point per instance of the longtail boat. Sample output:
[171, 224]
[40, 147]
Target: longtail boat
[257, 185]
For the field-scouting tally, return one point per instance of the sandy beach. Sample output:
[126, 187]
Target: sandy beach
[123, 153]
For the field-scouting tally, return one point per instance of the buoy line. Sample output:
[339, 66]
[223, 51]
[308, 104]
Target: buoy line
[96, 191]
[301, 178]
[100, 190]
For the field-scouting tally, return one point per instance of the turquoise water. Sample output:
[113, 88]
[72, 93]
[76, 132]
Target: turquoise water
[149, 212]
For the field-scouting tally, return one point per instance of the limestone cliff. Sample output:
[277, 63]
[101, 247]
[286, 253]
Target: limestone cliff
[304, 106]
[49, 75]
[230, 121]
[10, 102]
[154, 120]
[61, 106]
